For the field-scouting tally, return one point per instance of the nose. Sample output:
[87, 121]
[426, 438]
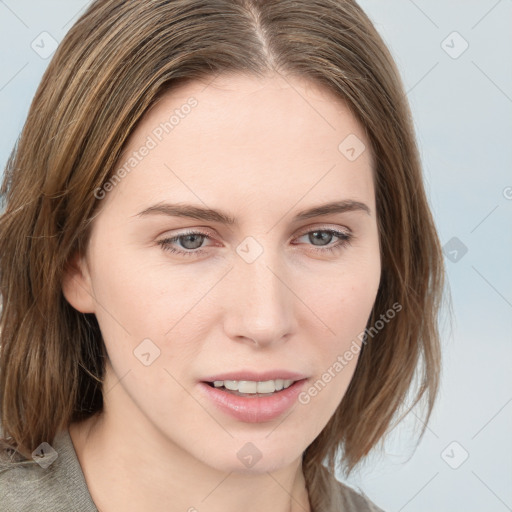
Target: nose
[260, 305]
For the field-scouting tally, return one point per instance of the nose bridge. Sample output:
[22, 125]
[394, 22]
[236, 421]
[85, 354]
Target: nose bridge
[261, 303]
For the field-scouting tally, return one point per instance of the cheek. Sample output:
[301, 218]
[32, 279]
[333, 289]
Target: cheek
[348, 300]
[132, 293]
[145, 340]
[344, 309]
[146, 315]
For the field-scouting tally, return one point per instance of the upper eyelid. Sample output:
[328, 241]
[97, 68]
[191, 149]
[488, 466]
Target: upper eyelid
[326, 227]
[209, 232]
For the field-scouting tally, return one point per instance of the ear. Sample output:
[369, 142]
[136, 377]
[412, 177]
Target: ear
[76, 284]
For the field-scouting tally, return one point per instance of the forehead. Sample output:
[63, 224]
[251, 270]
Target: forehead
[249, 139]
[240, 105]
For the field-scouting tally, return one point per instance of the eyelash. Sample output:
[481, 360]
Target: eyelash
[345, 240]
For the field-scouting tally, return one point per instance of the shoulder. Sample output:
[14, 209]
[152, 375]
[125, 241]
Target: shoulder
[24, 485]
[354, 501]
[345, 498]
[46, 484]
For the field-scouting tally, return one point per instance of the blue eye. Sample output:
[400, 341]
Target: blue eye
[345, 239]
[196, 238]
[167, 244]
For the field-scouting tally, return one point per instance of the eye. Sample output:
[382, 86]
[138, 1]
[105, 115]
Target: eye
[191, 241]
[326, 235]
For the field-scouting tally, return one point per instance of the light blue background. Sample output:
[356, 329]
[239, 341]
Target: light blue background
[463, 114]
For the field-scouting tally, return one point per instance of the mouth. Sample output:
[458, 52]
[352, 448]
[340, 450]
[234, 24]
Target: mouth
[253, 401]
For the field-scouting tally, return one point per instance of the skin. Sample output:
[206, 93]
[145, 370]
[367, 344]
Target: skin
[261, 150]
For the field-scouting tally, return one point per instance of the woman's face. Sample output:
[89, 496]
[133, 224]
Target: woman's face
[275, 295]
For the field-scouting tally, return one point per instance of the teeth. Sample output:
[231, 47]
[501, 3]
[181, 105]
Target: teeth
[250, 386]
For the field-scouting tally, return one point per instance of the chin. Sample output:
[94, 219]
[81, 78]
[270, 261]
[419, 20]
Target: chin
[243, 456]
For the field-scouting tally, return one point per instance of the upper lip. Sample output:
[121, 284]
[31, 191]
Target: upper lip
[256, 376]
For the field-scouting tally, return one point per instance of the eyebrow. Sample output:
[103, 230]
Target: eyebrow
[207, 214]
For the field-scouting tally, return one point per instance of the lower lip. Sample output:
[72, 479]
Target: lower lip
[254, 409]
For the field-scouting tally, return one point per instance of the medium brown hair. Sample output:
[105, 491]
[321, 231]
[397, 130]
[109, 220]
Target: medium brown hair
[111, 67]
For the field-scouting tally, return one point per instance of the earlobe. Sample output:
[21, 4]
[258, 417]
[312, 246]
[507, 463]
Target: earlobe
[76, 284]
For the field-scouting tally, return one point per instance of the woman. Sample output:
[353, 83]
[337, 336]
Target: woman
[219, 268]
